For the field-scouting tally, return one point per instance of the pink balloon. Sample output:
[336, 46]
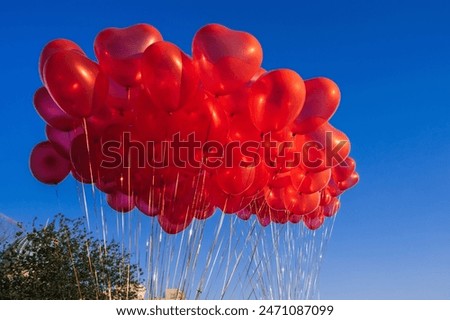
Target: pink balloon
[62, 140]
[51, 113]
[263, 215]
[148, 204]
[47, 165]
[120, 202]
[244, 214]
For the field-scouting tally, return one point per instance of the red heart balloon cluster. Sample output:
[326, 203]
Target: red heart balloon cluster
[178, 136]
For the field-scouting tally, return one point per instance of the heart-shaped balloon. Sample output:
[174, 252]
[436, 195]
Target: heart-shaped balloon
[263, 214]
[75, 83]
[169, 76]
[85, 157]
[148, 203]
[315, 219]
[322, 100]
[273, 197]
[52, 113]
[47, 165]
[228, 203]
[119, 51]
[276, 99]
[53, 47]
[62, 140]
[309, 182]
[165, 219]
[331, 208]
[325, 197]
[225, 58]
[120, 202]
[349, 182]
[235, 180]
[343, 170]
[323, 148]
[300, 203]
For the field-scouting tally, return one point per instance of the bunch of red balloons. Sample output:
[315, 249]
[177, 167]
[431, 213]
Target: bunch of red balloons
[252, 141]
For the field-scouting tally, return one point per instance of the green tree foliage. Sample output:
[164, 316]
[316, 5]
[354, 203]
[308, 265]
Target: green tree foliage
[63, 261]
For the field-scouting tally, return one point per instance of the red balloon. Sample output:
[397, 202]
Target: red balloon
[259, 182]
[173, 228]
[349, 182]
[333, 188]
[207, 122]
[262, 211]
[276, 99]
[323, 148]
[107, 182]
[235, 180]
[47, 165]
[52, 113]
[273, 197]
[218, 123]
[309, 182]
[175, 215]
[300, 203]
[75, 83]
[322, 100]
[225, 58]
[235, 103]
[118, 97]
[53, 47]
[295, 218]
[151, 123]
[325, 197]
[85, 157]
[314, 220]
[120, 202]
[279, 216]
[242, 130]
[332, 208]
[343, 170]
[280, 180]
[228, 203]
[168, 75]
[119, 51]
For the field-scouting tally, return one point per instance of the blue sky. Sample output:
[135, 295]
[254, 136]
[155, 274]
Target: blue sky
[392, 62]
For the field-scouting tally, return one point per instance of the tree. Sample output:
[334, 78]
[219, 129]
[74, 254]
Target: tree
[63, 261]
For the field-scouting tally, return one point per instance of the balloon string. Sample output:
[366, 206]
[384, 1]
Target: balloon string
[209, 255]
[85, 206]
[91, 171]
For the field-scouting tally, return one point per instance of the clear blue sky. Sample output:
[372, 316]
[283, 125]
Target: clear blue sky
[392, 62]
